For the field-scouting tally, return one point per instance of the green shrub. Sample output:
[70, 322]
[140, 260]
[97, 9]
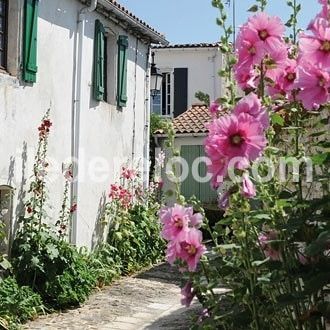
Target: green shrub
[52, 267]
[105, 264]
[17, 304]
[135, 236]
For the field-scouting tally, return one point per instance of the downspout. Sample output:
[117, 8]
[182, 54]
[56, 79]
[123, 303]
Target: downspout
[146, 158]
[214, 77]
[76, 109]
[134, 102]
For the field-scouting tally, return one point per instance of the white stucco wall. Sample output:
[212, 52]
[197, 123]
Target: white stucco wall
[203, 65]
[106, 133]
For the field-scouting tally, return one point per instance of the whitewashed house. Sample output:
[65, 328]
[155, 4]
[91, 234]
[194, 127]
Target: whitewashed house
[88, 61]
[188, 69]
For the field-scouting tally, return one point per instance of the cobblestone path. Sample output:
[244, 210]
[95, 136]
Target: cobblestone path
[150, 300]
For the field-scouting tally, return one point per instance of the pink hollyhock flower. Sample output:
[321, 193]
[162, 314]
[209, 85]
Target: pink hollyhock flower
[245, 77]
[325, 13]
[240, 136]
[251, 105]
[248, 50]
[314, 83]
[284, 81]
[316, 48]
[214, 108]
[269, 30]
[127, 173]
[114, 191]
[188, 294]
[218, 166]
[177, 221]
[172, 252]
[191, 249]
[275, 60]
[266, 245]
[248, 188]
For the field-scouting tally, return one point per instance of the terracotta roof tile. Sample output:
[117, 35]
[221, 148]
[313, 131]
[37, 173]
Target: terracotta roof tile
[192, 121]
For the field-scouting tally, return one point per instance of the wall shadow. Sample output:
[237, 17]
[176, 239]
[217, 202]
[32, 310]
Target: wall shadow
[21, 194]
[99, 234]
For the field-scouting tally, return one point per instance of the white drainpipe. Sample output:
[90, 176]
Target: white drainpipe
[76, 109]
[146, 151]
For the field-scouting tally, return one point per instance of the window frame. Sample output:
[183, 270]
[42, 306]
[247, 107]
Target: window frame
[4, 15]
[169, 97]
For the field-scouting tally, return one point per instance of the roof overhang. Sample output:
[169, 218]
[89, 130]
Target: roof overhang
[180, 135]
[129, 22]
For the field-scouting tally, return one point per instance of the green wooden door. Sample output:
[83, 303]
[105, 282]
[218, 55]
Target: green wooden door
[191, 186]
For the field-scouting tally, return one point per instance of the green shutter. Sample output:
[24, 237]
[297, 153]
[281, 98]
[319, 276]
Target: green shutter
[99, 62]
[122, 71]
[30, 67]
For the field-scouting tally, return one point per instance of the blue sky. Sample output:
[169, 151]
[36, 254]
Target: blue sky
[189, 21]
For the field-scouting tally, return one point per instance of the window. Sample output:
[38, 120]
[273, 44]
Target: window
[172, 100]
[156, 103]
[166, 94]
[3, 33]
[161, 102]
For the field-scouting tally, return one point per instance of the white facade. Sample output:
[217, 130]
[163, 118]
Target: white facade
[202, 63]
[106, 136]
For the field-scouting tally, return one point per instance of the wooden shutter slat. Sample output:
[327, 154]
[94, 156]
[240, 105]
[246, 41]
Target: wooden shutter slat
[122, 71]
[30, 67]
[99, 62]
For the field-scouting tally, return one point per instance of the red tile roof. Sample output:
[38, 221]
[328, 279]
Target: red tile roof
[192, 121]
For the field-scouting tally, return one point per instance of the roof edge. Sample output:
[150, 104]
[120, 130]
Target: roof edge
[134, 22]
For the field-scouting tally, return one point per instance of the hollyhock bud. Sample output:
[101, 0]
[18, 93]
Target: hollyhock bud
[73, 208]
[223, 200]
[188, 294]
[248, 188]
[214, 108]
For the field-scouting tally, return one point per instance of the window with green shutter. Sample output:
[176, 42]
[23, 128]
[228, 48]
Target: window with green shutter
[30, 67]
[99, 72]
[122, 71]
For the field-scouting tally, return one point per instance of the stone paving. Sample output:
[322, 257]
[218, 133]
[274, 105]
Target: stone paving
[149, 300]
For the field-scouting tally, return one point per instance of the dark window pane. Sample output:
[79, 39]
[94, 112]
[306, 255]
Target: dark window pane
[2, 24]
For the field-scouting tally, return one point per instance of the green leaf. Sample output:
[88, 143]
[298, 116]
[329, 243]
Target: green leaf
[253, 9]
[258, 263]
[277, 119]
[5, 264]
[320, 158]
